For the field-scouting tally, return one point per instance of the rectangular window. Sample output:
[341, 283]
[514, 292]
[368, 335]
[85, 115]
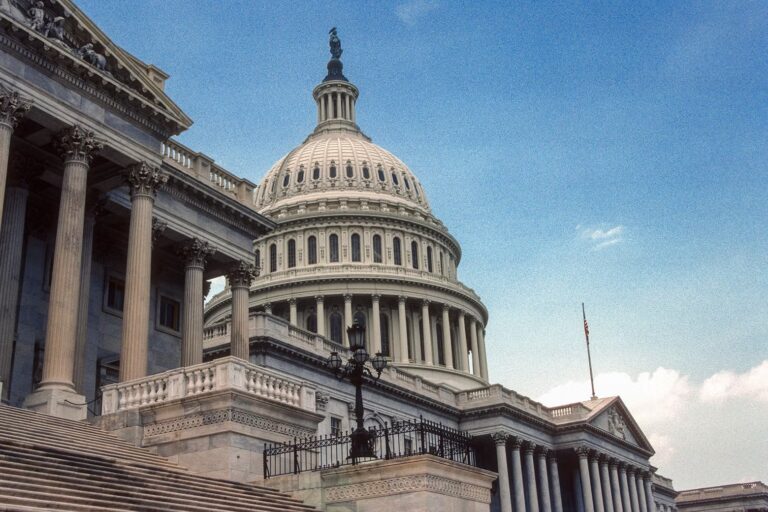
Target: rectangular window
[114, 296]
[408, 446]
[335, 426]
[169, 314]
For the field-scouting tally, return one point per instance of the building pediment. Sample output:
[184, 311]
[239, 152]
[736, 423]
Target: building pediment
[613, 417]
[64, 35]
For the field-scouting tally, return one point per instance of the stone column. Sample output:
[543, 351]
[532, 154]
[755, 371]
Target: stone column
[347, 317]
[427, 332]
[81, 338]
[56, 394]
[375, 325]
[597, 491]
[517, 475]
[11, 252]
[463, 351]
[554, 475]
[640, 491]
[541, 459]
[632, 484]
[320, 307]
[505, 496]
[625, 499]
[447, 343]
[240, 277]
[144, 182]
[481, 348]
[605, 480]
[12, 109]
[586, 486]
[194, 254]
[649, 492]
[476, 370]
[618, 506]
[530, 476]
[403, 328]
[294, 314]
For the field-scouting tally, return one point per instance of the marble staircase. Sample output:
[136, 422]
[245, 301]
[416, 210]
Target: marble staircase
[48, 463]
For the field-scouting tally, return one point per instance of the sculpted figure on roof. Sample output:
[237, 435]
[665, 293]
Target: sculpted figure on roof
[335, 44]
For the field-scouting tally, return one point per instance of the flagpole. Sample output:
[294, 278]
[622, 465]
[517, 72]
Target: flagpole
[589, 356]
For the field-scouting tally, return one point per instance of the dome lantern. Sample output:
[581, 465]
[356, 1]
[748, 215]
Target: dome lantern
[335, 96]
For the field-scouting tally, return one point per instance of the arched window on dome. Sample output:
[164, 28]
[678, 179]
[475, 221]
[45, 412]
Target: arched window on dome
[350, 170]
[440, 351]
[382, 176]
[273, 258]
[333, 248]
[291, 253]
[311, 322]
[273, 188]
[355, 242]
[377, 248]
[385, 343]
[332, 173]
[397, 251]
[366, 172]
[415, 255]
[416, 189]
[286, 179]
[359, 318]
[442, 266]
[311, 250]
[429, 259]
[336, 322]
[257, 259]
[395, 181]
[407, 183]
[300, 176]
[316, 172]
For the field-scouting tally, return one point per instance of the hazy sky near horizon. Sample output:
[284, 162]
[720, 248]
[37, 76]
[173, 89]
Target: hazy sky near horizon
[608, 153]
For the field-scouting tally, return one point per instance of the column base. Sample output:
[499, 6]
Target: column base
[61, 403]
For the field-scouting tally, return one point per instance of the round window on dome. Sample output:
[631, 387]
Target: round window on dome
[394, 179]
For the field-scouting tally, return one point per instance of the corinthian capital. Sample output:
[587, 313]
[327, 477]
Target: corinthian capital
[242, 273]
[77, 144]
[12, 107]
[195, 252]
[500, 438]
[144, 179]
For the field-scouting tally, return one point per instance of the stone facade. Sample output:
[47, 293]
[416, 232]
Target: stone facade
[746, 497]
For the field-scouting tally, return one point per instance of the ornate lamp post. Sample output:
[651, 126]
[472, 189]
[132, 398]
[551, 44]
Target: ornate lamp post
[355, 370]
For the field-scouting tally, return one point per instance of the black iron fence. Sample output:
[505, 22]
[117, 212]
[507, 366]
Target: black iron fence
[400, 439]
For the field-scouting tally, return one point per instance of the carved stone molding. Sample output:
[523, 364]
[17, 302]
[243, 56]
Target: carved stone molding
[144, 179]
[76, 144]
[616, 424]
[229, 414]
[413, 483]
[242, 274]
[195, 252]
[12, 107]
[321, 401]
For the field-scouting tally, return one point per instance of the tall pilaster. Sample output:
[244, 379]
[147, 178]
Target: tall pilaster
[11, 252]
[144, 181]
[12, 109]
[530, 477]
[649, 492]
[554, 475]
[544, 489]
[605, 480]
[375, 324]
[481, 348]
[56, 393]
[476, 369]
[194, 254]
[632, 489]
[426, 328]
[618, 506]
[320, 308]
[597, 491]
[403, 329]
[626, 503]
[347, 317]
[293, 314]
[463, 350]
[240, 277]
[517, 475]
[447, 342]
[505, 496]
[586, 486]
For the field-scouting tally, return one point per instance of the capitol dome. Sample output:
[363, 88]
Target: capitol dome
[356, 242]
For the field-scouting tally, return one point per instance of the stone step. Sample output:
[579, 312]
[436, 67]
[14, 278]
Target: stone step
[20, 464]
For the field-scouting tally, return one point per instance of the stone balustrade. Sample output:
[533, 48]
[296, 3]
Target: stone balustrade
[224, 374]
[204, 168]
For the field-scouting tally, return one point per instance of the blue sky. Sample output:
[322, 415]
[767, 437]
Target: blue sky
[608, 153]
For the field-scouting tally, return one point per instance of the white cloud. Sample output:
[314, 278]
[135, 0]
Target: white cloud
[217, 285]
[599, 234]
[726, 384]
[601, 238]
[410, 12]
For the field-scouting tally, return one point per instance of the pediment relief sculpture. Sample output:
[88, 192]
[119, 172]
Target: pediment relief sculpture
[616, 424]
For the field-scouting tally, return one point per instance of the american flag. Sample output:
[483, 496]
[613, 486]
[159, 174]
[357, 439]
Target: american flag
[586, 328]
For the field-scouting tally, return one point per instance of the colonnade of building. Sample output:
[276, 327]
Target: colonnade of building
[69, 285]
[406, 329]
[607, 485]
